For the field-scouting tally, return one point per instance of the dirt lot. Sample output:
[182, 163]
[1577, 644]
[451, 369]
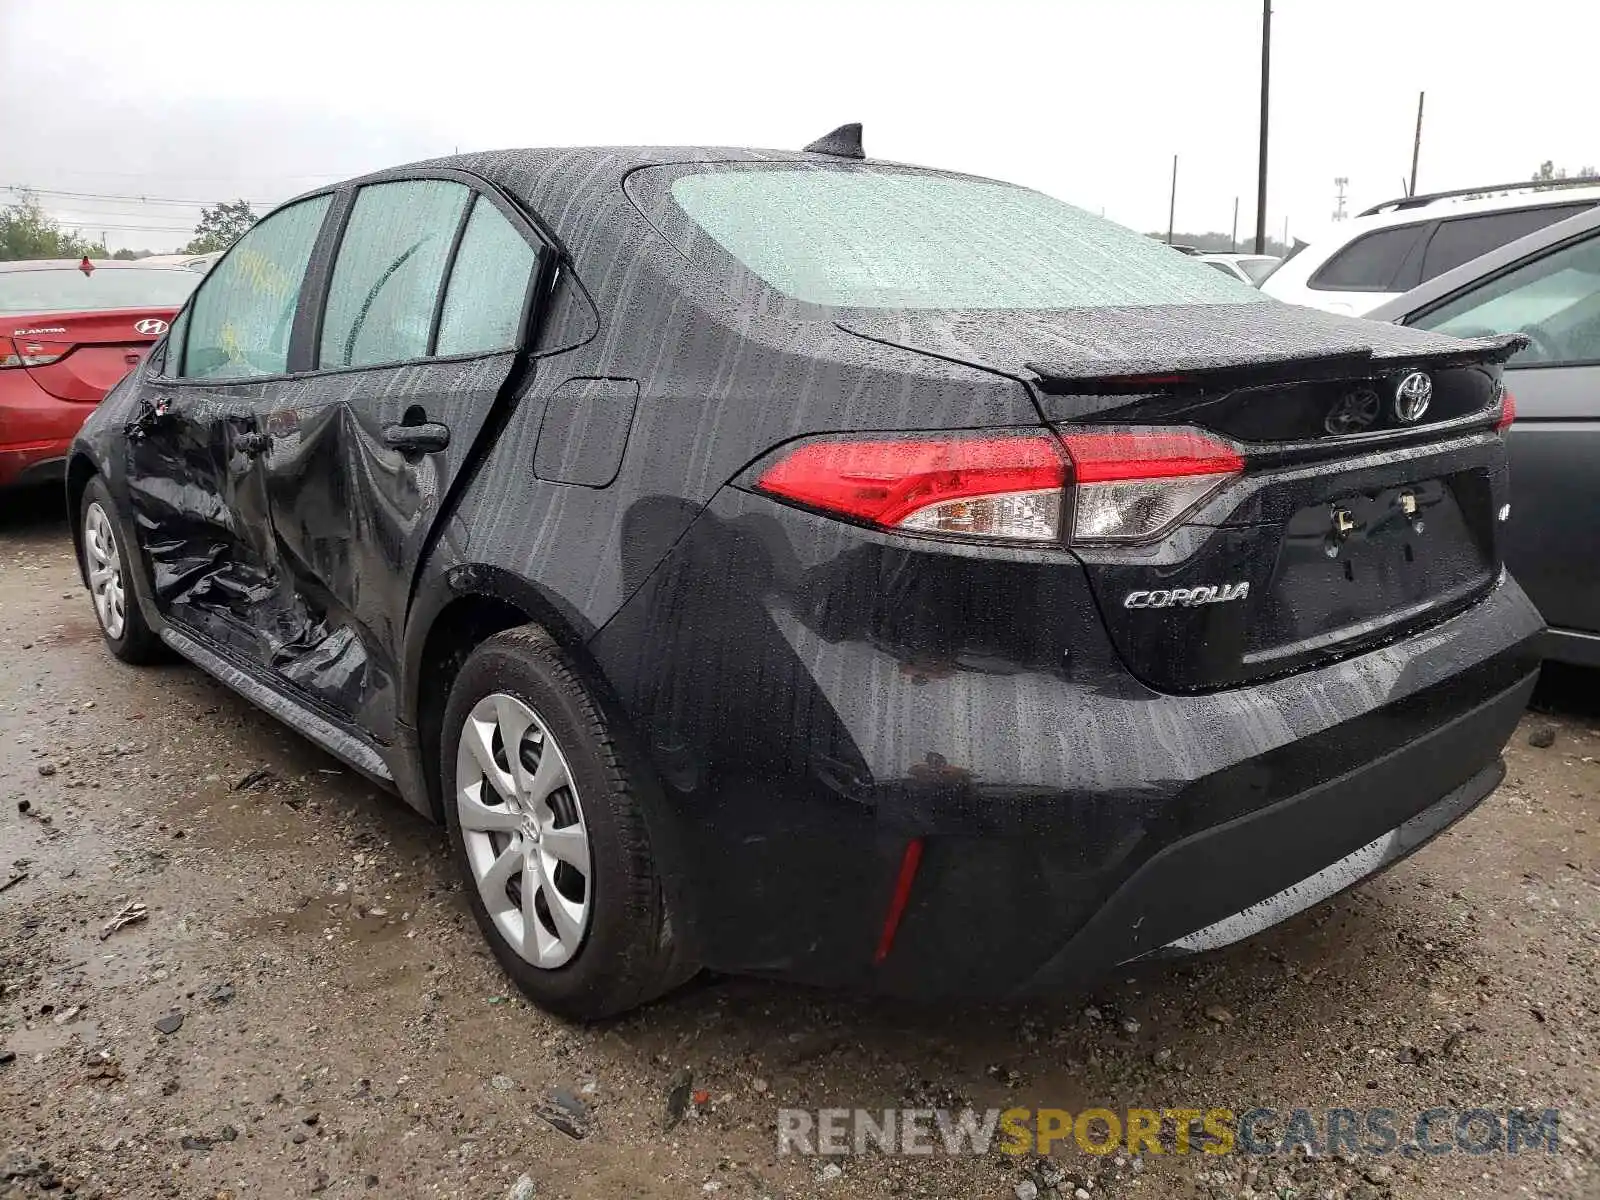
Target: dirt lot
[344, 1032]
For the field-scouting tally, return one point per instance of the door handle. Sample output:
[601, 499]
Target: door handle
[417, 439]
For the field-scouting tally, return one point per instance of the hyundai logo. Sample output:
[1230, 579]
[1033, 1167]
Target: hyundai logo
[1412, 396]
[150, 327]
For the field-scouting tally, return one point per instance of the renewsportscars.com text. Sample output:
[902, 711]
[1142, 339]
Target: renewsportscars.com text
[1263, 1131]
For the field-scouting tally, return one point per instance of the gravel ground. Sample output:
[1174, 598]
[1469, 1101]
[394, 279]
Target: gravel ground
[344, 1033]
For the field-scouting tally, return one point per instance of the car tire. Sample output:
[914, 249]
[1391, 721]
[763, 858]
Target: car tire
[104, 550]
[520, 687]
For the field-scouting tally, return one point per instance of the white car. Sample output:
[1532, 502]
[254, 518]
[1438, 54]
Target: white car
[1246, 268]
[1394, 246]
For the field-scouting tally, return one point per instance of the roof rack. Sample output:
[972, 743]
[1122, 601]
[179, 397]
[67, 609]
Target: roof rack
[1400, 203]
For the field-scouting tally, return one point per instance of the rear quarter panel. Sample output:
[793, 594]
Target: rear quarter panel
[1553, 542]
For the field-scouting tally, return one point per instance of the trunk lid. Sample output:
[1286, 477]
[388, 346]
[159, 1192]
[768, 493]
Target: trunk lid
[1353, 522]
[85, 354]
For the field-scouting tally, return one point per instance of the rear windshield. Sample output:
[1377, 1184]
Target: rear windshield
[877, 239]
[1257, 268]
[67, 289]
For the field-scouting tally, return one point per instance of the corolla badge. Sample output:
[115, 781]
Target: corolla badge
[1353, 412]
[1412, 395]
[1189, 597]
[150, 327]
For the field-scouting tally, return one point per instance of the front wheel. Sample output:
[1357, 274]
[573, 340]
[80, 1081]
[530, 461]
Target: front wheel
[105, 567]
[542, 800]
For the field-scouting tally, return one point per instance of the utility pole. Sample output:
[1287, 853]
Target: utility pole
[1416, 145]
[1340, 182]
[1261, 172]
[1233, 238]
[1172, 204]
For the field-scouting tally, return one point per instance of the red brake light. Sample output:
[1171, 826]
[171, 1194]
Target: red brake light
[1159, 454]
[25, 354]
[1508, 412]
[976, 485]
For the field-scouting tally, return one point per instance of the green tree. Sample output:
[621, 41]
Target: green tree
[1549, 170]
[27, 231]
[221, 226]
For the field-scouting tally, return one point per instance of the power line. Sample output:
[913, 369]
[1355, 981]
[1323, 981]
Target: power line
[94, 226]
[210, 178]
[19, 188]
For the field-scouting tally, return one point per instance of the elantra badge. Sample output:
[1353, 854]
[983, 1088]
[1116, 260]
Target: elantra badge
[1412, 396]
[150, 327]
[1187, 597]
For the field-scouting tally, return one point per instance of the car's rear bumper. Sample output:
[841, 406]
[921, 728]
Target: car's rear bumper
[1576, 646]
[36, 431]
[818, 700]
[1229, 882]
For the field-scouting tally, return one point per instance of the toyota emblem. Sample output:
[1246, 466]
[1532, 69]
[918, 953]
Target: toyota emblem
[150, 327]
[1412, 396]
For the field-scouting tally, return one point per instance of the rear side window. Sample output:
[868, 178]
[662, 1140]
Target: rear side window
[1373, 262]
[867, 237]
[488, 290]
[1462, 239]
[387, 276]
[239, 323]
[1555, 300]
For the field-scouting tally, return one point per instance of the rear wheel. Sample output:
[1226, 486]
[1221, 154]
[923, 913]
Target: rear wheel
[104, 566]
[542, 802]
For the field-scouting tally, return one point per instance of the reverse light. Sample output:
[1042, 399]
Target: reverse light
[23, 354]
[1508, 412]
[1127, 485]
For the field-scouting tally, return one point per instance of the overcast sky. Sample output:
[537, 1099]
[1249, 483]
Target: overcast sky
[1085, 99]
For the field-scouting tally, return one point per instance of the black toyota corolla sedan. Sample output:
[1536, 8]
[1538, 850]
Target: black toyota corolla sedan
[799, 564]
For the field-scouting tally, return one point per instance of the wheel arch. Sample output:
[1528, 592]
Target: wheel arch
[80, 470]
[468, 606]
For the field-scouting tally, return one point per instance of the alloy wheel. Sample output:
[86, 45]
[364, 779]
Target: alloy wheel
[105, 570]
[523, 829]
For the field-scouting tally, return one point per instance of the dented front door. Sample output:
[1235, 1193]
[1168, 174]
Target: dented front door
[194, 468]
[199, 505]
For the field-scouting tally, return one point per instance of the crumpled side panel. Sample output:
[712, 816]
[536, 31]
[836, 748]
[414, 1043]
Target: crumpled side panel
[197, 485]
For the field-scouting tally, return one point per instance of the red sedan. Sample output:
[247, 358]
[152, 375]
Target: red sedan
[69, 330]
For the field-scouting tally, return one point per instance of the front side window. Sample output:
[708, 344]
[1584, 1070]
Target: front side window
[488, 290]
[388, 272]
[1555, 300]
[240, 320]
[875, 238]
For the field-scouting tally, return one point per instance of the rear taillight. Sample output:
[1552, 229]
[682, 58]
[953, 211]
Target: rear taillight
[23, 354]
[1508, 412]
[1119, 486]
[1133, 485]
[971, 486]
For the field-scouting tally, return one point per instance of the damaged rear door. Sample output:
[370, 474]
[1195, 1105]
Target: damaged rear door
[193, 468]
[425, 309]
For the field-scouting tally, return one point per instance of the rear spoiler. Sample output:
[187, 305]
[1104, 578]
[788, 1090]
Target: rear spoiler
[1217, 371]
